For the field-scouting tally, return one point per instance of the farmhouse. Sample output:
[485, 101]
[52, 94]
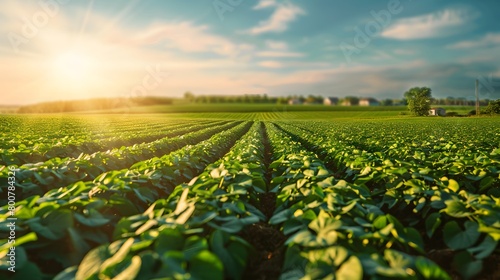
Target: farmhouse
[330, 101]
[368, 102]
[437, 112]
[294, 102]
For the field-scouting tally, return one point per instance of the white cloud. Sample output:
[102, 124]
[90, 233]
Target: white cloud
[283, 15]
[279, 54]
[271, 64]
[265, 4]
[492, 39]
[278, 49]
[277, 45]
[186, 37]
[447, 22]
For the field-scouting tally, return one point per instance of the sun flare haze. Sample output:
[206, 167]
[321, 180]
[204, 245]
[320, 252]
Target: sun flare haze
[72, 68]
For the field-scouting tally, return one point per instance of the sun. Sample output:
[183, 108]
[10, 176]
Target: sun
[72, 68]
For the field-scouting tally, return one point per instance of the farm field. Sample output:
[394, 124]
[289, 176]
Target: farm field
[276, 194]
[334, 111]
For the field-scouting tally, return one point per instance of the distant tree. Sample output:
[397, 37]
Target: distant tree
[352, 99]
[281, 100]
[265, 98]
[387, 102]
[462, 101]
[311, 99]
[493, 107]
[450, 100]
[419, 100]
[189, 96]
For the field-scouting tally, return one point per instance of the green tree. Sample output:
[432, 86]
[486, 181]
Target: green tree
[189, 96]
[493, 107]
[387, 102]
[419, 100]
[352, 99]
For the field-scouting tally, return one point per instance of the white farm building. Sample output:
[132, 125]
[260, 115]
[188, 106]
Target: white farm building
[437, 112]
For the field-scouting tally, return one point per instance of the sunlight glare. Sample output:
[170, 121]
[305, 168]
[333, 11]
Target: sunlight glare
[72, 68]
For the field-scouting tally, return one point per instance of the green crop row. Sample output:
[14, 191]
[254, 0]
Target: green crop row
[52, 130]
[85, 214]
[73, 146]
[37, 179]
[354, 200]
[192, 233]
[449, 213]
[334, 230]
[478, 171]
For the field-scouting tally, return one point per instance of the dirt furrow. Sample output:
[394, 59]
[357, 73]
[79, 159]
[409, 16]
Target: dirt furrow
[268, 240]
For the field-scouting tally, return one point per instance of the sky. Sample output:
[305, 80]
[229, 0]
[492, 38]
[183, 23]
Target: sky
[73, 49]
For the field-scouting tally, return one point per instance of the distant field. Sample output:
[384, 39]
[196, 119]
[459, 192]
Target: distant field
[8, 109]
[337, 111]
[242, 108]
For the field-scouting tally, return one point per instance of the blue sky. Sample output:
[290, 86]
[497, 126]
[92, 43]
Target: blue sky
[70, 49]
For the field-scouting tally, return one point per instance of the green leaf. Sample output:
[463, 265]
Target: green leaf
[78, 245]
[129, 269]
[184, 216]
[20, 241]
[173, 264]
[53, 225]
[456, 238]
[486, 183]
[456, 209]
[432, 223]
[169, 240]
[182, 204]
[92, 262]
[92, 219]
[453, 185]
[350, 270]
[206, 265]
[430, 270]
[281, 217]
[193, 246]
[67, 274]
[413, 238]
[326, 230]
[349, 207]
[380, 222]
[398, 262]
[484, 249]
[229, 258]
[116, 258]
[466, 265]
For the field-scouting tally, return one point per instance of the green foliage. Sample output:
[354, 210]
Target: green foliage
[93, 104]
[419, 100]
[493, 107]
[354, 200]
[37, 179]
[403, 175]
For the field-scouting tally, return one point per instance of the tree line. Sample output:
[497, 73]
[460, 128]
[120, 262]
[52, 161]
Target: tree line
[419, 100]
[96, 104]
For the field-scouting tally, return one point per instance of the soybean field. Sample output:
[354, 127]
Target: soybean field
[273, 195]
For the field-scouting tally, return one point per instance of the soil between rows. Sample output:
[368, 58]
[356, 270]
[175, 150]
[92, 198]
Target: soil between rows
[267, 260]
